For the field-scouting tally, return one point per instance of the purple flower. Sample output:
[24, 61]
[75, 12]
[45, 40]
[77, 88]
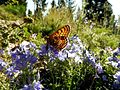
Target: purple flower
[90, 58]
[114, 64]
[27, 87]
[62, 56]
[35, 86]
[113, 59]
[32, 59]
[74, 50]
[32, 45]
[104, 77]
[76, 40]
[116, 85]
[116, 51]
[1, 51]
[2, 64]
[27, 46]
[34, 35]
[22, 60]
[43, 50]
[117, 76]
[22, 56]
[10, 72]
[38, 86]
[118, 64]
[99, 68]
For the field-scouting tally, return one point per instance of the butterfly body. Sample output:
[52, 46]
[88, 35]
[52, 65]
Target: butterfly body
[59, 38]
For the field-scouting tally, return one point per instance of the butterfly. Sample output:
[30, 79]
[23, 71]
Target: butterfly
[59, 38]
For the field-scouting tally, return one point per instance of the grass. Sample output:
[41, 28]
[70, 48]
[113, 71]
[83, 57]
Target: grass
[54, 70]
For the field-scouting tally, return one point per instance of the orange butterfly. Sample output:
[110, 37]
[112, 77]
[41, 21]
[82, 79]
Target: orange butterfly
[59, 38]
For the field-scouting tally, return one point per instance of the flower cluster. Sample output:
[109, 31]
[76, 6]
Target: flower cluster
[76, 50]
[116, 83]
[21, 58]
[115, 62]
[35, 86]
[2, 65]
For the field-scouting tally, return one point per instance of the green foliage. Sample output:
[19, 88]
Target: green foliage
[71, 5]
[12, 12]
[12, 2]
[4, 15]
[66, 74]
[18, 10]
[4, 82]
[58, 17]
[53, 4]
[97, 38]
[98, 11]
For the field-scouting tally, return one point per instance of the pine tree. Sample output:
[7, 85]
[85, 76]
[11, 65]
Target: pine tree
[61, 3]
[98, 11]
[40, 7]
[71, 7]
[53, 4]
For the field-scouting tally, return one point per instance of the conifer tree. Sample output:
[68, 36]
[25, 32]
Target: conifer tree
[53, 4]
[71, 7]
[40, 7]
[99, 11]
[61, 3]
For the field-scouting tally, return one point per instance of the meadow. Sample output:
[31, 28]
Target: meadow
[89, 61]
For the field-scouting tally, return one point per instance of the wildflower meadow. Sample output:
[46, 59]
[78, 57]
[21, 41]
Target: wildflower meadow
[89, 59]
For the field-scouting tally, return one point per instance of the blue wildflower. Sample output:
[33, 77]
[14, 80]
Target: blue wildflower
[1, 51]
[99, 68]
[22, 60]
[113, 59]
[34, 35]
[10, 72]
[118, 64]
[38, 86]
[32, 59]
[116, 85]
[62, 55]
[32, 45]
[104, 77]
[90, 58]
[43, 50]
[27, 87]
[116, 52]
[117, 76]
[74, 50]
[35, 86]
[22, 57]
[2, 64]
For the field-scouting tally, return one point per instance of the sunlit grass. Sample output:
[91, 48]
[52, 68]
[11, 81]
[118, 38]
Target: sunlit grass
[87, 62]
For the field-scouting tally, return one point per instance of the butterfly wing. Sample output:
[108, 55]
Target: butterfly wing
[59, 38]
